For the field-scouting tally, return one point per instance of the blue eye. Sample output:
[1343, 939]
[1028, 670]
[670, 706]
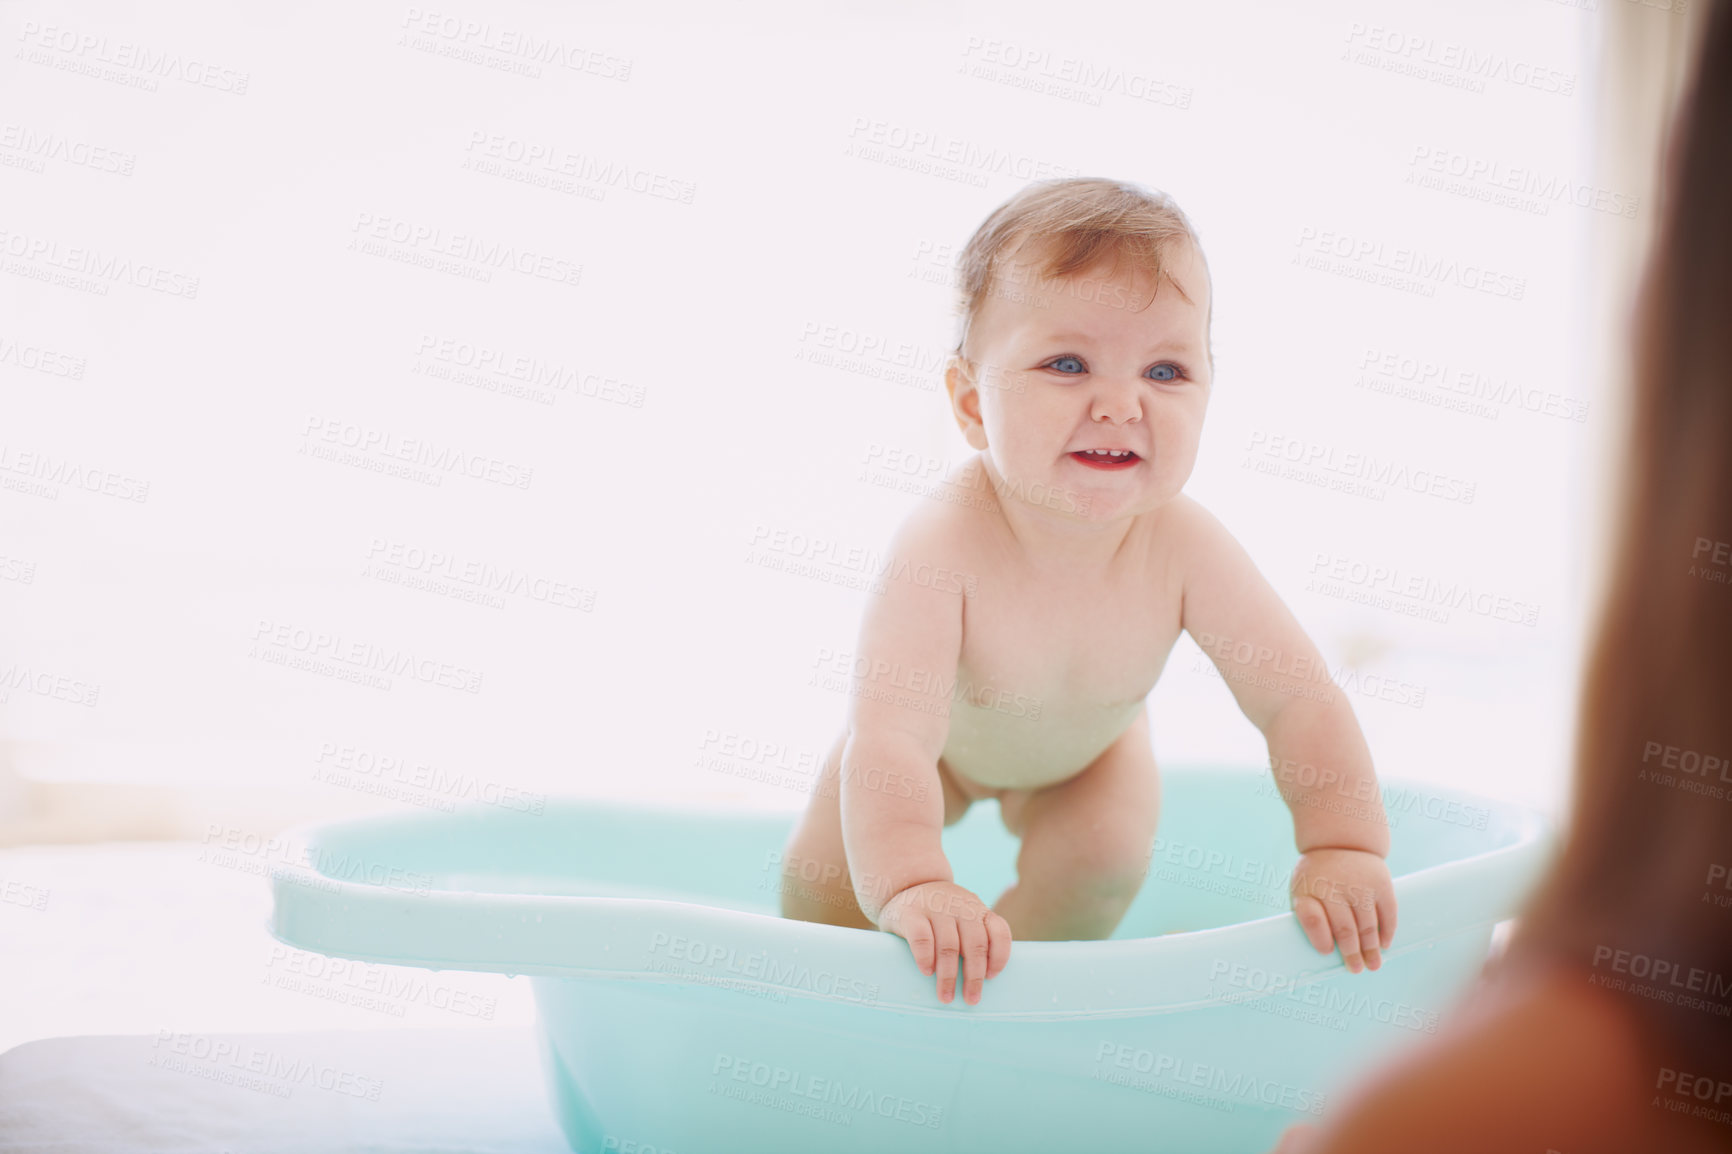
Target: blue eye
[1165, 371]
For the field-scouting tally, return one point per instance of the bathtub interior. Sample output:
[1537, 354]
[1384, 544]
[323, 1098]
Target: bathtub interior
[1223, 855]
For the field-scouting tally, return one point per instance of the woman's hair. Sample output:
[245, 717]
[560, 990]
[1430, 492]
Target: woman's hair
[1632, 894]
[1071, 226]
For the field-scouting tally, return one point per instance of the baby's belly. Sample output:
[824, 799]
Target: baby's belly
[995, 749]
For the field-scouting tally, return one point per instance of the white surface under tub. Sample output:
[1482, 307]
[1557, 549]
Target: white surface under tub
[134, 938]
[383, 1092]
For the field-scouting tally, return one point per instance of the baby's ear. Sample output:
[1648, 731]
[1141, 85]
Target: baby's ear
[954, 375]
[959, 373]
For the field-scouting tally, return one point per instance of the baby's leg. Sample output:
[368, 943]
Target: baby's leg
[1085, 844]
[816, 885]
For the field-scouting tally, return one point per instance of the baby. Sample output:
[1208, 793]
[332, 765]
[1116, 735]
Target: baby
[1081, 377]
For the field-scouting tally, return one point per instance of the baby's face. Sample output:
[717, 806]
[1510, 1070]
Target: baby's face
[1089, 363]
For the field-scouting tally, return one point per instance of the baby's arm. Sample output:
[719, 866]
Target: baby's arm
[1341, 888]
[892, 801]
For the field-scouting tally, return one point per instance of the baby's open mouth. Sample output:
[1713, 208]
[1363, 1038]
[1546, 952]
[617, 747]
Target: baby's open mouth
[1106, 458]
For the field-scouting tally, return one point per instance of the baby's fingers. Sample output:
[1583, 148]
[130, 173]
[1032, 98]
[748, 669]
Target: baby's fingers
[1346, 934]
[949, 947]
[974, 957]
[998, 944]
[1365, 913]
[916, 930]
[1315, 923]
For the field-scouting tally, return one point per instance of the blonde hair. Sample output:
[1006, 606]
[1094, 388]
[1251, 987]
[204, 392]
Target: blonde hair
[1072, 225]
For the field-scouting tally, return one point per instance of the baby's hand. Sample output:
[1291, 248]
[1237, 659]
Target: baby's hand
[1346, 896]
[941, 921]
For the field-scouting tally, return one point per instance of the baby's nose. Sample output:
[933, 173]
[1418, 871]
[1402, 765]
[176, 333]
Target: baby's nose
[1117, 402]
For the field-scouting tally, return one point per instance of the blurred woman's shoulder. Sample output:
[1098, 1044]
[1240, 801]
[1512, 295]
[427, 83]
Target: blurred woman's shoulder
[1534, 1061]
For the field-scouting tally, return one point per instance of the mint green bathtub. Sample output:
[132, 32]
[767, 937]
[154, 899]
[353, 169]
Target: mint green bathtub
[680, 1015]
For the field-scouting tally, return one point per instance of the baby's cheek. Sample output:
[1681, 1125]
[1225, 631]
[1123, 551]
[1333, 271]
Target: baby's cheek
[1174, 462]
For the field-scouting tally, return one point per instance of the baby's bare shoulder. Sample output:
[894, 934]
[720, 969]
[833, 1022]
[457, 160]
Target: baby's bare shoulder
[950, 525]
[1184, 521]
[1183, 535]
[938, 533]
[1189, 548]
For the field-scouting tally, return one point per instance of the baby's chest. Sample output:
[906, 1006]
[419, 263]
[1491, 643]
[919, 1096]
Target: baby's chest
[1089, 649]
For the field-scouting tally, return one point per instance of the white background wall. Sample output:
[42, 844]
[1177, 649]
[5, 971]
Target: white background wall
[754, 178]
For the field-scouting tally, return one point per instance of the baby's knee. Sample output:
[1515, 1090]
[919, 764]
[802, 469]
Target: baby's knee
[809, 885]
[822, 893]
[1113, 860]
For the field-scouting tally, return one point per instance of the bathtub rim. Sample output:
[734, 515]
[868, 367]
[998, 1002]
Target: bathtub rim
[1047, 981]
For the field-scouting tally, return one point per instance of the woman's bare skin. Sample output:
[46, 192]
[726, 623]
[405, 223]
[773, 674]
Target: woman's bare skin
[1535, 1062]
